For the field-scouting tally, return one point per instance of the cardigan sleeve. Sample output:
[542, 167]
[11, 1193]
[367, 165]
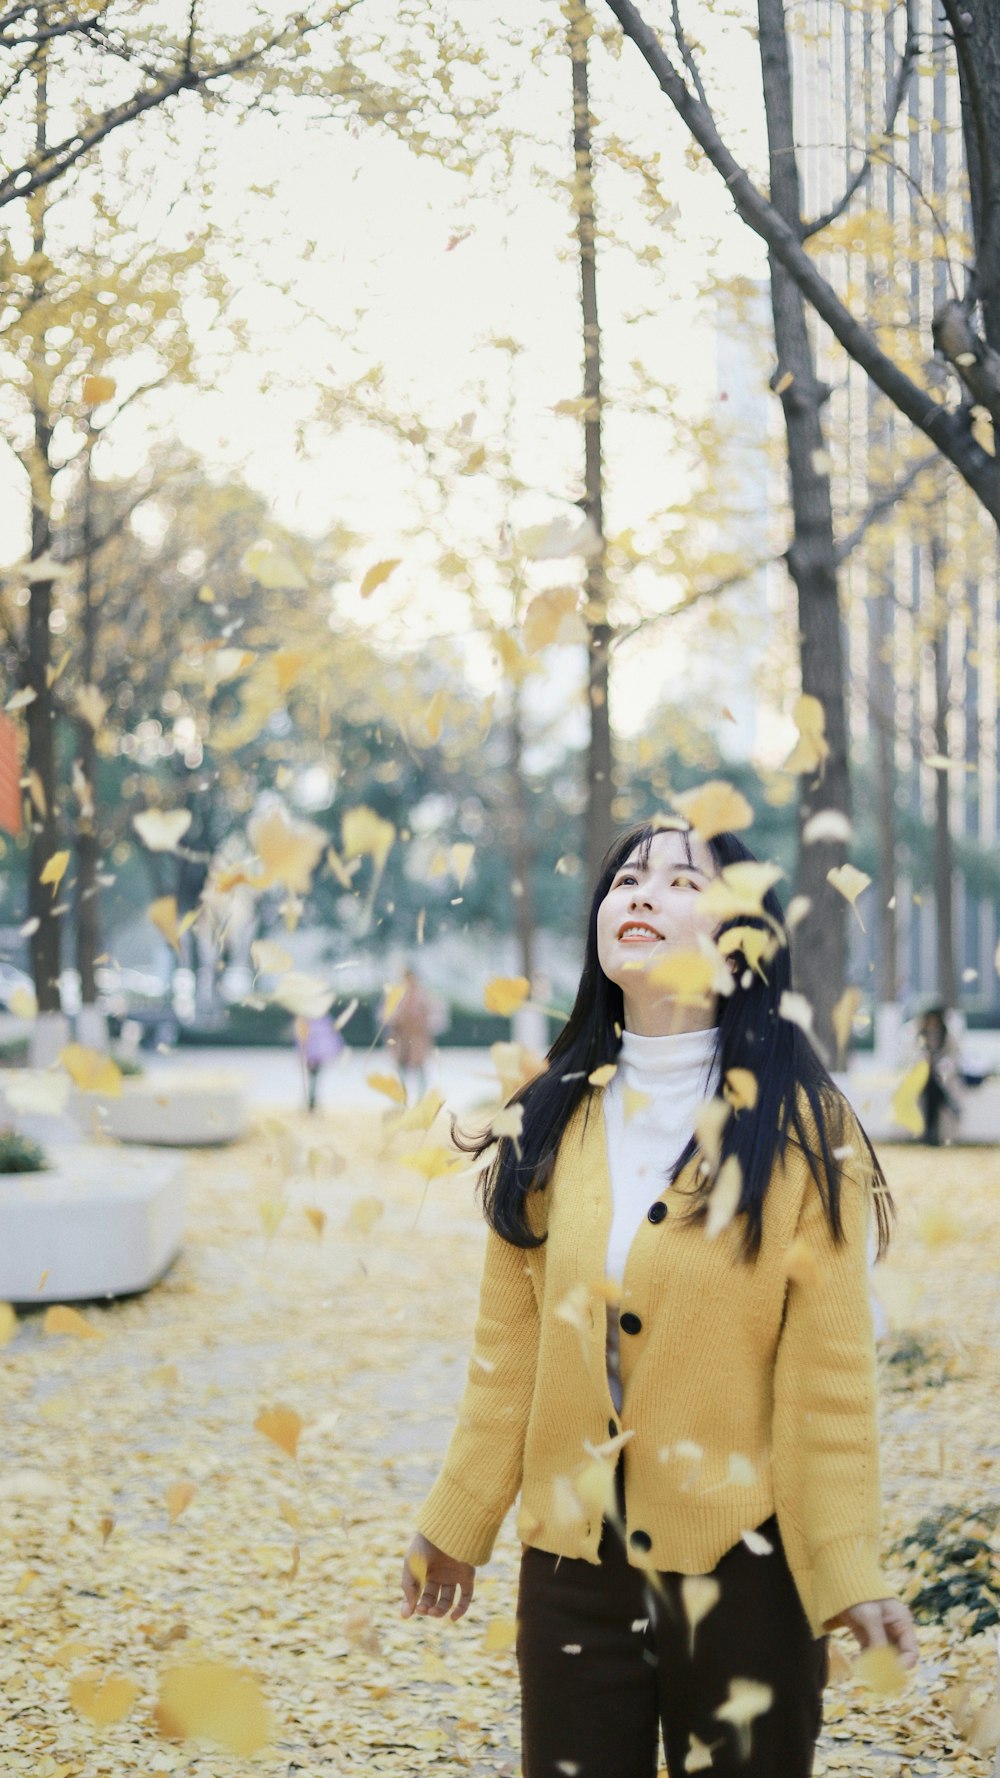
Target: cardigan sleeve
[481, 1474]
[825, 1449]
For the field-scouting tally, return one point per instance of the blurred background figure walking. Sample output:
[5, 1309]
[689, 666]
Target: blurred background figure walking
[412, 1025]
[318, 1042]
[940, 1100]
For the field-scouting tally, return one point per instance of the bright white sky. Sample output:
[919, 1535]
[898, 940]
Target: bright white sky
[384, 287]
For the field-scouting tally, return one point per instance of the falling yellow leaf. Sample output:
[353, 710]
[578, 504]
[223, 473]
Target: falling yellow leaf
[501, 1634]
[417, 1564]
[508, 1122]
[713, 808]
[19, 700]
[389, 1084]
[740, 1088]
[62, 1319]
[842, 1017]
[747, 1699]
[462, 854]
[21, 1001]
[317, 1218]
[600, 1077]
[796, 1009]
[756, 945]
[881, 1670]
[633, 1100]
[699, 1593]
[505, 993]
[800, 1263]
[595, 1485]
[826, 824]
[179, 1495]
[364, 832]
[724, 1197]
[97, 389]
[378, 574]
[103, 1702]
[53, 870]
[269, 957]
[757, 1543]
[163, 914]
[710, 1119]
[91, 705]
[36, 791]
[8, 1323]
[552, 618]
[434, 1161]
[304, 995]
[162, 829]
[740, 888]
[516, 1066]
[272, 1214]
[850, 883]
[90, 1071]
[687, 975]
[342, 875]
[365, 1213]
[905, 1107]
[812, 747]
[272, 565]
[421, 1115]
[289, 666]
[218, 1701]
[698, 1757]
[289, 851]
[282, 1426]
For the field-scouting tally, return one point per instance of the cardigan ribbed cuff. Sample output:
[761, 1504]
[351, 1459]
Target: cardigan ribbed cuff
[845, 1572]
[458, 1523]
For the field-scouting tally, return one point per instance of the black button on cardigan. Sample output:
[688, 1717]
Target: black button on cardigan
[657, 1211]
[640, 1540]
[630, 1323]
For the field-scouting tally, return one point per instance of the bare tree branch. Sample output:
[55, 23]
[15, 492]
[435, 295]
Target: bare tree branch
[946, 428]
[883, 504]
[907, 63]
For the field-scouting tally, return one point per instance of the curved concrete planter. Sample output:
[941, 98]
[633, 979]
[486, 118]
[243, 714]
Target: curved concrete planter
[172, 1112]
[98, 1222]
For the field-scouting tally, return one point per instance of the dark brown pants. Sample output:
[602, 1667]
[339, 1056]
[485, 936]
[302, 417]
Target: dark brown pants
[605, 1661]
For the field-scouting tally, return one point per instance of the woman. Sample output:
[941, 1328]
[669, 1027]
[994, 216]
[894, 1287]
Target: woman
[673, 1359]
[940, 1101]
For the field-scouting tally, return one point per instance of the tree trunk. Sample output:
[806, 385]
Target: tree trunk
[88, 918]
[882, 715]
[944, 866]
[820, 940]
[41, 762]
[976, 28]
[521, 850]
[600, 762]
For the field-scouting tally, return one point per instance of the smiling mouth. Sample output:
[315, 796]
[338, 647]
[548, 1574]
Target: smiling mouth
[637, 934]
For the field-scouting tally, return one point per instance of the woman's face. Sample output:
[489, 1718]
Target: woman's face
[653, 910]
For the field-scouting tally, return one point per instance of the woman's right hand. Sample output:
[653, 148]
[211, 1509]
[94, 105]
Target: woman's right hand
[430, 1579]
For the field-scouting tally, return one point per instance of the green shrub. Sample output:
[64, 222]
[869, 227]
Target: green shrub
[18, 1154]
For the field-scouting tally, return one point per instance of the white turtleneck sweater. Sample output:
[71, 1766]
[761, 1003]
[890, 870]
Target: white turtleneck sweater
[674, 1075]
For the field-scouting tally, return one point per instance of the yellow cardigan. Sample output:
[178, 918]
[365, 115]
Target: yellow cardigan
[745, 1391]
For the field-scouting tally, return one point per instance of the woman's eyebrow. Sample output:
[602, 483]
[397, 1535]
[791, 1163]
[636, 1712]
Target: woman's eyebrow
[681, 865]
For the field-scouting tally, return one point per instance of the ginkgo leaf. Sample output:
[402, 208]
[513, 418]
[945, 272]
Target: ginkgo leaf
[600, 1077]
[812, 746]
[269, 957]
[595, 1485]
[304, 995]
[8, 1323]
[756, 945]
[699, 1593]
[688, 975]
[849, 882]
[178, 1496]
[713, 808]
[553, 618]
[633, 1100]
[54, 869]
[213, 1699]
[23, 1003]
[421, 1115]
[796, 1009]
[36, 791]
[740, 1088]
[433, 1161]
[63, 1319]
[710, 1119]
[389, 1084]
[501, 1634]
[363, 831]
[97, 389]
[748, 1699]
[378, 574]
[462, 854]
[162, 829]
[103, 1701]
[317, 1218]
[561, 537]
[881, 1669]
[938, 1225]
[272, 566]
[21, 699]
[827, 824]
[508, 1122]
[90, 1071]
[282, 1426]
[757, 1543]
[698, 1757]
[505, 993]
[365, 1213]
[842, 1016]
[289, 666]
[289, 850]
[905, 1106]
[724, 1197]
[91, 705]
[342, 874]
[163, 914]
[740, 888]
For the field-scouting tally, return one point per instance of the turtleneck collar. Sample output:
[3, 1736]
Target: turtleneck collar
[663, 1057]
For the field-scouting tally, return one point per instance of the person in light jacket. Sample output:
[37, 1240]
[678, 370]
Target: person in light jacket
[674, 1362]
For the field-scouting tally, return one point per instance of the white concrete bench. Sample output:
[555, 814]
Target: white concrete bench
[174, 1111]
[100, 1221]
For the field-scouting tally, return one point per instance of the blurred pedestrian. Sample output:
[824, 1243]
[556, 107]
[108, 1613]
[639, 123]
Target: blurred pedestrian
[412, 1025]
[318, 1042]
[940, 1101]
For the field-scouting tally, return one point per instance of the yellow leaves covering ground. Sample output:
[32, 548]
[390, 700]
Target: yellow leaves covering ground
[154, 1522]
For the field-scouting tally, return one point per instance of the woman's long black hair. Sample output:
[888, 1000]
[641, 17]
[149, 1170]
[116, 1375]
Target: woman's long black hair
[751, 1035]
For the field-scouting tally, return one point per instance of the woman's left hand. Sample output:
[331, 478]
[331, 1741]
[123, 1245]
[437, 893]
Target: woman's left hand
[879, 1621]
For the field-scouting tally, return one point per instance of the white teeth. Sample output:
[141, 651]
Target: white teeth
[643, 931]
